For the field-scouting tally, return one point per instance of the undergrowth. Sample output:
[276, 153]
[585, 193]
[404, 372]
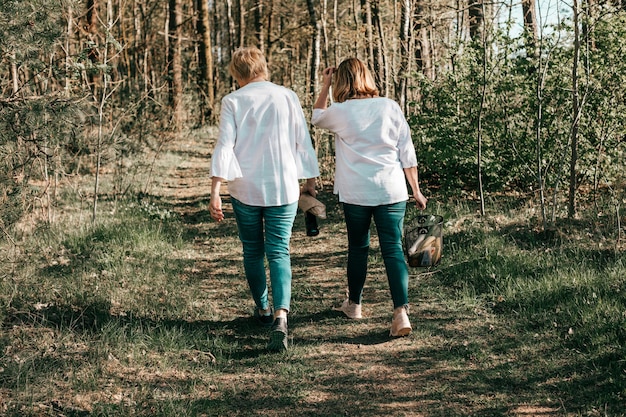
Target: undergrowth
[147, 313]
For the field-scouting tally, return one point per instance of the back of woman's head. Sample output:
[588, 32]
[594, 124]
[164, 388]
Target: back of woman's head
[248, 63]
[352, 79]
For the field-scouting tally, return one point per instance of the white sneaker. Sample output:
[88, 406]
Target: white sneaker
[400, 325]
[350, 309]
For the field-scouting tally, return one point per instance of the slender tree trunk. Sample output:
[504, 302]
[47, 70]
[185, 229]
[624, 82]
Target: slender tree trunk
[538, 144]
[174, 67]
[476, 20]
[481, 109]
[91, 26]
[423, 53]
[68, 50]
[258, 24]
[140, 51]
[315, 48]
[357, 27]
[231, 42]
[380, 50]
[335, 33]
[268, 32]
[588, 25]
[571, 207]
[102, 101]
[205, 58]
[405, 25]
[122, 70]
[242, 23]
[324, 24]
[15, 80]
[366, 19]
[531, 28]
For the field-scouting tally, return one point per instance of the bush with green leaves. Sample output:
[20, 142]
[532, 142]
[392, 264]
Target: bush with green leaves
[526, 116]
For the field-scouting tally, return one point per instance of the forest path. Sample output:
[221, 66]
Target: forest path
[335, 366]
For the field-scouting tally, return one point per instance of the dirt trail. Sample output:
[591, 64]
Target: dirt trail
[334, 364]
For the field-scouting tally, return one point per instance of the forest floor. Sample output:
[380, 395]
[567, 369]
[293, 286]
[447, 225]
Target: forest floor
[342, 367]
[153, 318]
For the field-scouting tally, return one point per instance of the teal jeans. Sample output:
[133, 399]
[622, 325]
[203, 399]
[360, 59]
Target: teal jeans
[389, 220]
[265, 232]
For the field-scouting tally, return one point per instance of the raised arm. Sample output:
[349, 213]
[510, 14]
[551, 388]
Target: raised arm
[322, 99]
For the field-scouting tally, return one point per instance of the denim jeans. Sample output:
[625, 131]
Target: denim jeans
[265, 232]
[389, 220]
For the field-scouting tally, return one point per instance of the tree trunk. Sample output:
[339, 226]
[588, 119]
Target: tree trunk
[538, 143]
[68, 51]
[102, 102]
[405, 25]
[355, 16]
[258, 24]
[571, 207]
[231, 41]
[481, 110]
[324, 32]
[590, 8]
[174, 62]
[477, 20]
[366, 19]
[15, 80]
[242, 23]
[91, 27]
[531, 28]
[423, 53]
[268, 32]
[380, 59]
[315, 48]
[335, 33]
[205, 58]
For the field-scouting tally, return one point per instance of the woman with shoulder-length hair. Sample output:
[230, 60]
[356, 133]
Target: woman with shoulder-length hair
[374, 155]
[263, 150]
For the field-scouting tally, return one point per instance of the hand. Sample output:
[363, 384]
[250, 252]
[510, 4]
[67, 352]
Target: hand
[309, 187]
[327, 76]
[215, 209]
[420, 200]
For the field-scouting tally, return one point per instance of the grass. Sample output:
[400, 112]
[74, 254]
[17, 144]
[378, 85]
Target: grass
[148, 314]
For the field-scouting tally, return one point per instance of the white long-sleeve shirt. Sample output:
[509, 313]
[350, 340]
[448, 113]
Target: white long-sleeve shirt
[264, 146]
[372, 146]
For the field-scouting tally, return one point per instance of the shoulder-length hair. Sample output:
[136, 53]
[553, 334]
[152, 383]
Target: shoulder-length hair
[248, 63]
[352, 79]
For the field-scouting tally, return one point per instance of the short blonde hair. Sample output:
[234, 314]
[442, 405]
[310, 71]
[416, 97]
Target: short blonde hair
[248, 63]
[352, 79]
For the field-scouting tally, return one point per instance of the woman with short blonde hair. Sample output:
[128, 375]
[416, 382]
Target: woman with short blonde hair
[263, 149]
[248, 63]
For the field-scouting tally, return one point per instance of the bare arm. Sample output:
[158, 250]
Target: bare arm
[309, 187]
[215, 205]
[411, 176]
[322, 99]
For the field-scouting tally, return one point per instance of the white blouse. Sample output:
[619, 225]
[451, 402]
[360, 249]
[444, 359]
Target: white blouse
[372, 146]
[264, 146]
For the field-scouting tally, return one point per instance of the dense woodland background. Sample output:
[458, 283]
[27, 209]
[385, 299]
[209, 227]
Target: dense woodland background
[500, 98]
